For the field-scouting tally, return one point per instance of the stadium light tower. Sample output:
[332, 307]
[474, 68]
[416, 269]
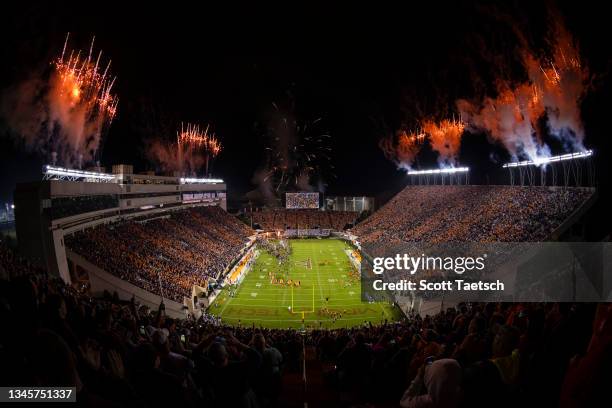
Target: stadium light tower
[545, 160]
[455, 175]
[61, 173]
[571, 165]
[451, 170]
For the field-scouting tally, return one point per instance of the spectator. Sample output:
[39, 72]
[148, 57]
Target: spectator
[166, 256]
[441, 382]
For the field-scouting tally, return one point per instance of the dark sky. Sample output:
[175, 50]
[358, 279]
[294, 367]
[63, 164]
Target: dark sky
[364, 69]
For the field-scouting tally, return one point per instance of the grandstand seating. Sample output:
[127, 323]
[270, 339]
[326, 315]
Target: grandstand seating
[470, 213]
[180, 251]
[281, 219]
[120, 353]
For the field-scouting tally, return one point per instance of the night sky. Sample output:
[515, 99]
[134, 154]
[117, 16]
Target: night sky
[365, 70]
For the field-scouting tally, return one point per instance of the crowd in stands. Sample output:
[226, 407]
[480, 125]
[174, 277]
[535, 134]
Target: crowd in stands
[118, 353]
[307, 233]
[13, 265]
[280, 249]
[451, 213]
[175, 252]
[282, 219]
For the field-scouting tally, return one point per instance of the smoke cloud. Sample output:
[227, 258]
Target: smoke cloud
[63, 113]
[445, 138]
[552, 92]
[402, 147]
[297, 156]
[520, 114]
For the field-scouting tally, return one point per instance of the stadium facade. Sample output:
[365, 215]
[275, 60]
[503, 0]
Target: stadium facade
[67, 201]
[345, 203]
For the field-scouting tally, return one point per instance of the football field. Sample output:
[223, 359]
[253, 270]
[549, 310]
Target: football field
[328, 295]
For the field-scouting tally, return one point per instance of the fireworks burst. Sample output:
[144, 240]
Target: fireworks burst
[83, 86]
[65, 112]
[82, 103]
[520, 116]
[561, 83]
[553, 92]
[445, 138]
[195, 145]
[510, 119]
[403, 147]
[297, 155]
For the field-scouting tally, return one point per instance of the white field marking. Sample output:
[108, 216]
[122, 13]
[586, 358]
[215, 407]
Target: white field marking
[228, 301]
[258, 285]
[297, 319]
[261, 276]
[318, 276]
[270, 294]
[276, 300]
[304, 281]
[251, 305]
[304, 285]
[253, 294]
[285, 292]
[275, 292]
[384, 312]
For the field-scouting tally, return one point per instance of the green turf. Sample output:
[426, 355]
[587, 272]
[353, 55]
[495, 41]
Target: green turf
[267, 305]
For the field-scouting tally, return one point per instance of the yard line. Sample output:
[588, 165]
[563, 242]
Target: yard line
[318, 277]
[365, 319]
[229, 300]
[283, 307]
[245, 307]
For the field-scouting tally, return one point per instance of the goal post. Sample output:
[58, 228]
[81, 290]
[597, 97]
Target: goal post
[303, 311]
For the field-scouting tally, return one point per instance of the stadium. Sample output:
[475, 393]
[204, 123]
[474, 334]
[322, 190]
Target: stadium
[461, 260]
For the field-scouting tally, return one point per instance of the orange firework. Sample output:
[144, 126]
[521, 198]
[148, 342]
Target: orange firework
[511, 118]
[82, 85]
[404, 148]
[554, 90]
[445, 138]
[196, 145]
[562, 80]
[192, 137]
